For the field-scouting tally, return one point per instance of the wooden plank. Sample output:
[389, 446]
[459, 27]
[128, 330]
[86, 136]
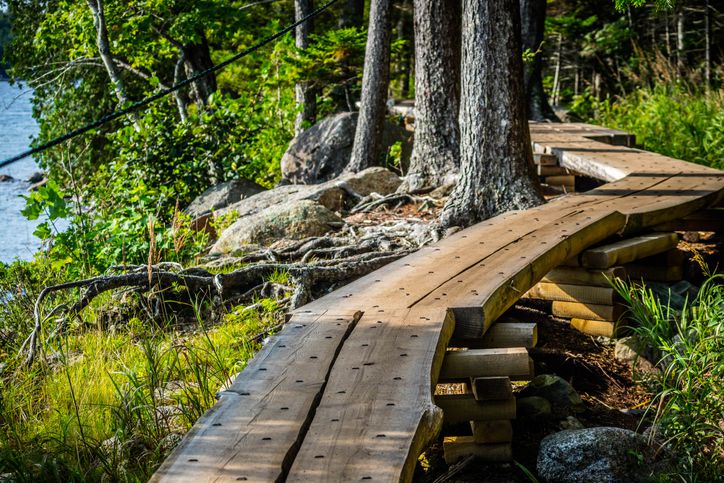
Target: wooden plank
[254, 428]
[572, 293]
[502, 335]
[636, 272]
[704, 220]
[594, 327]
[567, 180]
[571, 310]
[543, 159]
[491, 388]
[458, 408]
[456, 448]
[626, 251]
[581, 276]
[377, 413]
[553, 171]
[464, 364]
[487, 432]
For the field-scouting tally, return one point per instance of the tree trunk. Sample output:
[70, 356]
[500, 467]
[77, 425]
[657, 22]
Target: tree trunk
[104, 50]
[375, 81]
[680, 39]
[436, 152]
[533, 17]
[352, 14]
[404, 32]
[180, 95]
[197, 58]
[707, 45]
[305, 95]
[497, 171]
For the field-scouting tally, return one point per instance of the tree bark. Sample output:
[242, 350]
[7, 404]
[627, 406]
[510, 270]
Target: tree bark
[180, 95]
[375, 81]
[404, 32]
[104, 50]
[305, 95]
[352, 14]
[197, 58]
[533, 17]
[436, 152]
[680, 39]
[497, 171]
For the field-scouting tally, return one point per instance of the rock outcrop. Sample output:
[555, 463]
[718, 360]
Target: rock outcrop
[598, 455]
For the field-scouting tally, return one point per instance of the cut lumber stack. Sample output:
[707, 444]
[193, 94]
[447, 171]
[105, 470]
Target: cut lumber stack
[580, 288]
[552, 174]
[487, 366]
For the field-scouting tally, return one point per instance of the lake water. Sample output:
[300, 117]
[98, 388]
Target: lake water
[16, 128]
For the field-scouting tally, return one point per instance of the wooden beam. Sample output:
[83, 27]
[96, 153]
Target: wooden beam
[567, 180]
[464, 364]
[487, 432]
[503, 335]
[704, 220]
[572, 293]
[637, 272]
[581, 276]
[458, 408]
[594, 327]
[628, 250]
[545, 159]
[491, 388]
[552, 171]
[571, 310]
[456, 448]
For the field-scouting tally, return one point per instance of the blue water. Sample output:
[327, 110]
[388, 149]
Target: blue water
[17, 126]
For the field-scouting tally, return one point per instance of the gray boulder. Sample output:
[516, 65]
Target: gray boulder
[222, 195]
[332, 194]
[598, 455]
[533, 407]
[321, 152]
[557, 391]
[293, 220]
[635, 352]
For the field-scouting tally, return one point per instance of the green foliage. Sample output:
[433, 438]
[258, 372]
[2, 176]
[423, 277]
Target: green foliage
[688, 406]
[668, 119]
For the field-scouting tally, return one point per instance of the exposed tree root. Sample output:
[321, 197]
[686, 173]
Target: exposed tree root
[239, 285]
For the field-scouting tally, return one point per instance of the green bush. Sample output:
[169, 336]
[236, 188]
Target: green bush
[688, 401]
[673, 120]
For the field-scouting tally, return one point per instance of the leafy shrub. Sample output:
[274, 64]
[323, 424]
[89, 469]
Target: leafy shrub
[669, 119]
[688, 402]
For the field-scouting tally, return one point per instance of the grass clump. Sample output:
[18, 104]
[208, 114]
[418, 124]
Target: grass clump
[110, 400]
[688, 401]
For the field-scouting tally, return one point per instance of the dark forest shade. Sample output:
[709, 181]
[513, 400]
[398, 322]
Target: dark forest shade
[533, 17]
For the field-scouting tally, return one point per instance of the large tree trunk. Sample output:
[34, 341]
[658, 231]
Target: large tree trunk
[436, 153]
[352, 14]
[533, 17]
[375, 81]
[497, 171]
[305, 96]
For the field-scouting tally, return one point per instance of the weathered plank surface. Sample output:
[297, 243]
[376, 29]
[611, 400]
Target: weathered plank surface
[364, 408]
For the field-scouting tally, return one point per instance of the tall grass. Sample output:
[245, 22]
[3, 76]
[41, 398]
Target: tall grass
[688, 402]
[109, 401]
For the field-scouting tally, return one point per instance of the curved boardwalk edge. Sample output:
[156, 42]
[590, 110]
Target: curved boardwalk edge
[344, 391]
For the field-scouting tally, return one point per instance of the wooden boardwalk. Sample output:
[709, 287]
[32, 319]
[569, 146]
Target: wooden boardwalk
[344, 391]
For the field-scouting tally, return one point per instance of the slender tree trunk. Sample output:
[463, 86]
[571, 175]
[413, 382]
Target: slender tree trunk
[436, 152]
[680, 39]
[305, 95]
[352, 14]
[104, 50]
[707, 45]
[375, 82]
[557, 74]
[404, 32]
[497, 172]
[533, 17]
[180, 95]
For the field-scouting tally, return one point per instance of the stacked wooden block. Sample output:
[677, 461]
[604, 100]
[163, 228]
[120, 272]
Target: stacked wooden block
[580, 289]
[552, 174]
[486, 366]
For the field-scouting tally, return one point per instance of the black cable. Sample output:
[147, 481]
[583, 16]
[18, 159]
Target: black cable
[144, 102]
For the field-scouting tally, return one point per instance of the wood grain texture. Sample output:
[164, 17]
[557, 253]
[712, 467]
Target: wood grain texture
[572, 293]
[581, 276]
[464, 364]
[363, 409]
[579, 310]
[628, 250]
[594, 327]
